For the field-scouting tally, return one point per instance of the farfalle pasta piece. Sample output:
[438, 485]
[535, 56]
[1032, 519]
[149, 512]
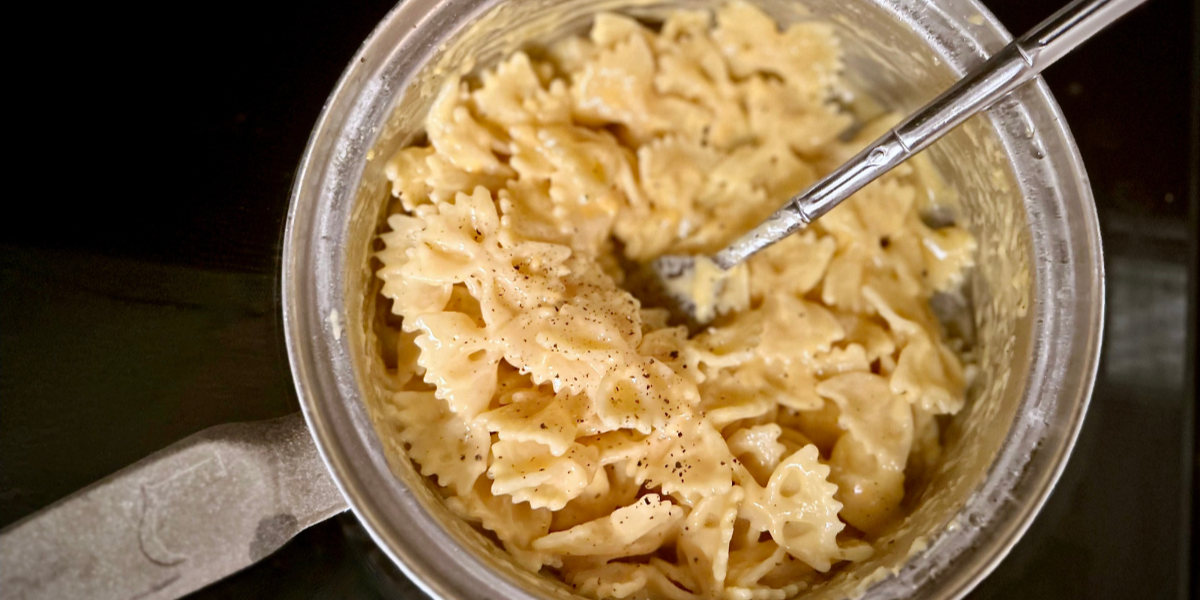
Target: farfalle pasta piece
[900, 314]
[644, 396]
[444, 447]
[534, 416]
[820, 425]
[520, 277]
[868, 460]
[406, 368]
[673, 171]
[842, 287]
[722, 348]
[408, 170]
[775, 369]
[798, 508]
[608, 491]
[949, 253]
[730, 399]
[926, 452]
[459, 360]
[512, 385]
[410, 296]
[763, 593]
[513, 94]
[692, 67]
[446, 181]
[572, 345]
[774, 109]
[621, 445]
[461, 244]
[869, 411]
[769, 166]
[516, 523]
[528, 472]
[791, 385]
[776, 270]
[618, 87]
[421, 176]
[727, 210]
[761, 368]
[847, 229]
[528, 214]
[610, 29]
[805, 55]
[704, 542]
[569, 348]
[457, 242]
[629, 531]
[791, 576]
[679, 574]
[456, 134]
[792, 440]
[626, 580]
[571, 53]
[687, 459]
[588, 171]
[929, 376]
[758, 449]
[901, 263]
[874, 341]
[663, 343]
[812, 330]
[884, 207]
[841, 359]
[750, 563]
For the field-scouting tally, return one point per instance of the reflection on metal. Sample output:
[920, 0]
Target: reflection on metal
[178, 520]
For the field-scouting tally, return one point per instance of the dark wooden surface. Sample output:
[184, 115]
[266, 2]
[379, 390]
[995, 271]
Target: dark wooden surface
[138, 273]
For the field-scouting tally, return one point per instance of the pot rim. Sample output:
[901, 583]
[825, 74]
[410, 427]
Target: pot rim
[313, 290]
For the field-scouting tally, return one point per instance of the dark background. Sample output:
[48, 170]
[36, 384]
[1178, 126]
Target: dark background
[138, 271]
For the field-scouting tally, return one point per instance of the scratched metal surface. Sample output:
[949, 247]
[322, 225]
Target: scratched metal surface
[138, 292]
[176, 521]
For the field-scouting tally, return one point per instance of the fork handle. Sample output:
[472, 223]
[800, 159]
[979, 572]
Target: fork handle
[1016, 64]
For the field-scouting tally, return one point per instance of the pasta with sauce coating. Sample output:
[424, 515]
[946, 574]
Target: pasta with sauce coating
[597, 442]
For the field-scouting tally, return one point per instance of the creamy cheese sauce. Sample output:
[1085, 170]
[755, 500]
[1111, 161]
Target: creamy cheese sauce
[598, 443]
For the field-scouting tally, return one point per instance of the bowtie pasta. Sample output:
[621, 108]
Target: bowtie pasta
[597, 442]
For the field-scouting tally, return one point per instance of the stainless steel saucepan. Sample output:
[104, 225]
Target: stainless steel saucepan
[222, 499]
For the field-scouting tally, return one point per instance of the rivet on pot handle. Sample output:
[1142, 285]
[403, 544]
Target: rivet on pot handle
[182, 518]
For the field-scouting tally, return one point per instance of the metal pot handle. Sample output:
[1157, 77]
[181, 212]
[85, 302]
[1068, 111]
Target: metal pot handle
[182, 518]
